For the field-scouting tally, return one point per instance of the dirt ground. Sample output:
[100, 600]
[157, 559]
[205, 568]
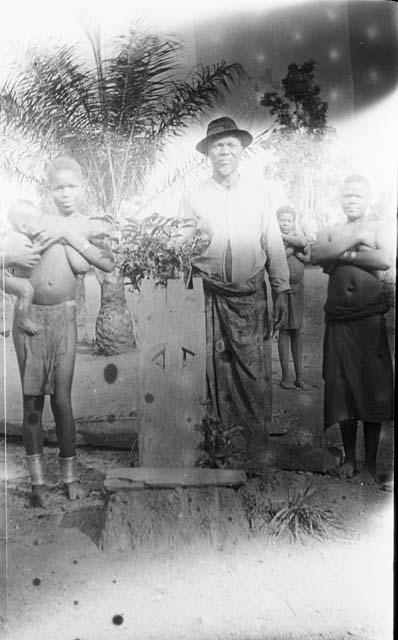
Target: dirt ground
[57, 584]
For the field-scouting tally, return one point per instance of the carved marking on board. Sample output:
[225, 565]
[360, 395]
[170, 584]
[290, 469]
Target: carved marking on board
[160, 358]
[185, 352]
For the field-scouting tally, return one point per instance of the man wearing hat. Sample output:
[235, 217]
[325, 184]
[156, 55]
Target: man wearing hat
[244, 241]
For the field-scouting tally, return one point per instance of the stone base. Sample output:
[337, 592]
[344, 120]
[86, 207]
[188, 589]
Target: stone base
[159, 520]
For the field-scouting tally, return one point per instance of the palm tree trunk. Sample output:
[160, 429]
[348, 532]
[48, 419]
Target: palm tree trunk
[114, 324]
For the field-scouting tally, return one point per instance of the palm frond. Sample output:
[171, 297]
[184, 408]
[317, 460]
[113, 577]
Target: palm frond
[206, 86]
[172, 180]
[51, 95]
[138, 78]
[113, 116]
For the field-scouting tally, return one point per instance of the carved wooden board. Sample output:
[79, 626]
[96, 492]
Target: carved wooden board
[144, 477]
[172, 373]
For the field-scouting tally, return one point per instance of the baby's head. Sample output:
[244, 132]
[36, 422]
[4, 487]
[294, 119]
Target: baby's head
[287, 219]
[65, 179]
[23, 216]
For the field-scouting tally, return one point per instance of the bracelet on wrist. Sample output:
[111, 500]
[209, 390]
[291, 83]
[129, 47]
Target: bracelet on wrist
[349, 255]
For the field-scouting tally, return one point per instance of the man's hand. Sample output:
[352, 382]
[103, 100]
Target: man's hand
[280, 310]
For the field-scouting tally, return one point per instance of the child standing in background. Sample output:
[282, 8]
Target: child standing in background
[296, 248]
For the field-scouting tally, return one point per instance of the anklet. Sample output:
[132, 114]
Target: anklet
[36, 468]
[68, 469]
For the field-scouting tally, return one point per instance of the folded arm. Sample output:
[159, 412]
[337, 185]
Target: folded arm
[379, 258]
[294, 240]
[95, 255]
[328, 248]
[82, 238]
[354, 246]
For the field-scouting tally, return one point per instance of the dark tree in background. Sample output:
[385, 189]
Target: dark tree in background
[306, 160]
[301, 106]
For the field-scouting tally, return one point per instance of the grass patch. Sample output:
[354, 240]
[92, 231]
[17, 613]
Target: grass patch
[296, 517]
[302, 517]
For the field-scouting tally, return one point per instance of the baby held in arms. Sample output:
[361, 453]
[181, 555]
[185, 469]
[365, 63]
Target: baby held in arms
[23, 217]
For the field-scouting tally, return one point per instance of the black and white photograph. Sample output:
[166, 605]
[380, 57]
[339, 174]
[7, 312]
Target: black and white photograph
[198, 238]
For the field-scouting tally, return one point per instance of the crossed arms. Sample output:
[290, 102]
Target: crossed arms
[353, 244]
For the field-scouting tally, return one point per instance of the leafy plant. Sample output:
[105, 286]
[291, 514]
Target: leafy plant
[302, 517]
[152, 248]
[217, 450]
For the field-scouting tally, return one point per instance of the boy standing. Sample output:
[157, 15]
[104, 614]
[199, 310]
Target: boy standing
[46, 359]
[297, 254]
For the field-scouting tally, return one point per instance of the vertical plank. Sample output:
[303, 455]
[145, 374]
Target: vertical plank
[172, 373]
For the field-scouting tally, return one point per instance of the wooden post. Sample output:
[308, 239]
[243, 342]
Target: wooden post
[172, 372]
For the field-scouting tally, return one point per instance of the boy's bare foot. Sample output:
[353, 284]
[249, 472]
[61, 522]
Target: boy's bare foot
[74, 490]
[286, 384]
[347, 470]
[39, 496]
[365, 477]
[29, 327]
[300, 384]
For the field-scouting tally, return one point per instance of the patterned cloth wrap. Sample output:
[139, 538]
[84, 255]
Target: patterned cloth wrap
[238, 367]
[357, 365]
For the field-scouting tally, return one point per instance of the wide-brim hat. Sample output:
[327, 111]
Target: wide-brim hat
[220, 128]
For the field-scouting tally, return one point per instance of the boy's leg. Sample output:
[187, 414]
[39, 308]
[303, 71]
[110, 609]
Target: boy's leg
[23, 290]
[32, 432]
[349, 430]
[61, 405]
[297, 352]
[283, 350]
[368, 474]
